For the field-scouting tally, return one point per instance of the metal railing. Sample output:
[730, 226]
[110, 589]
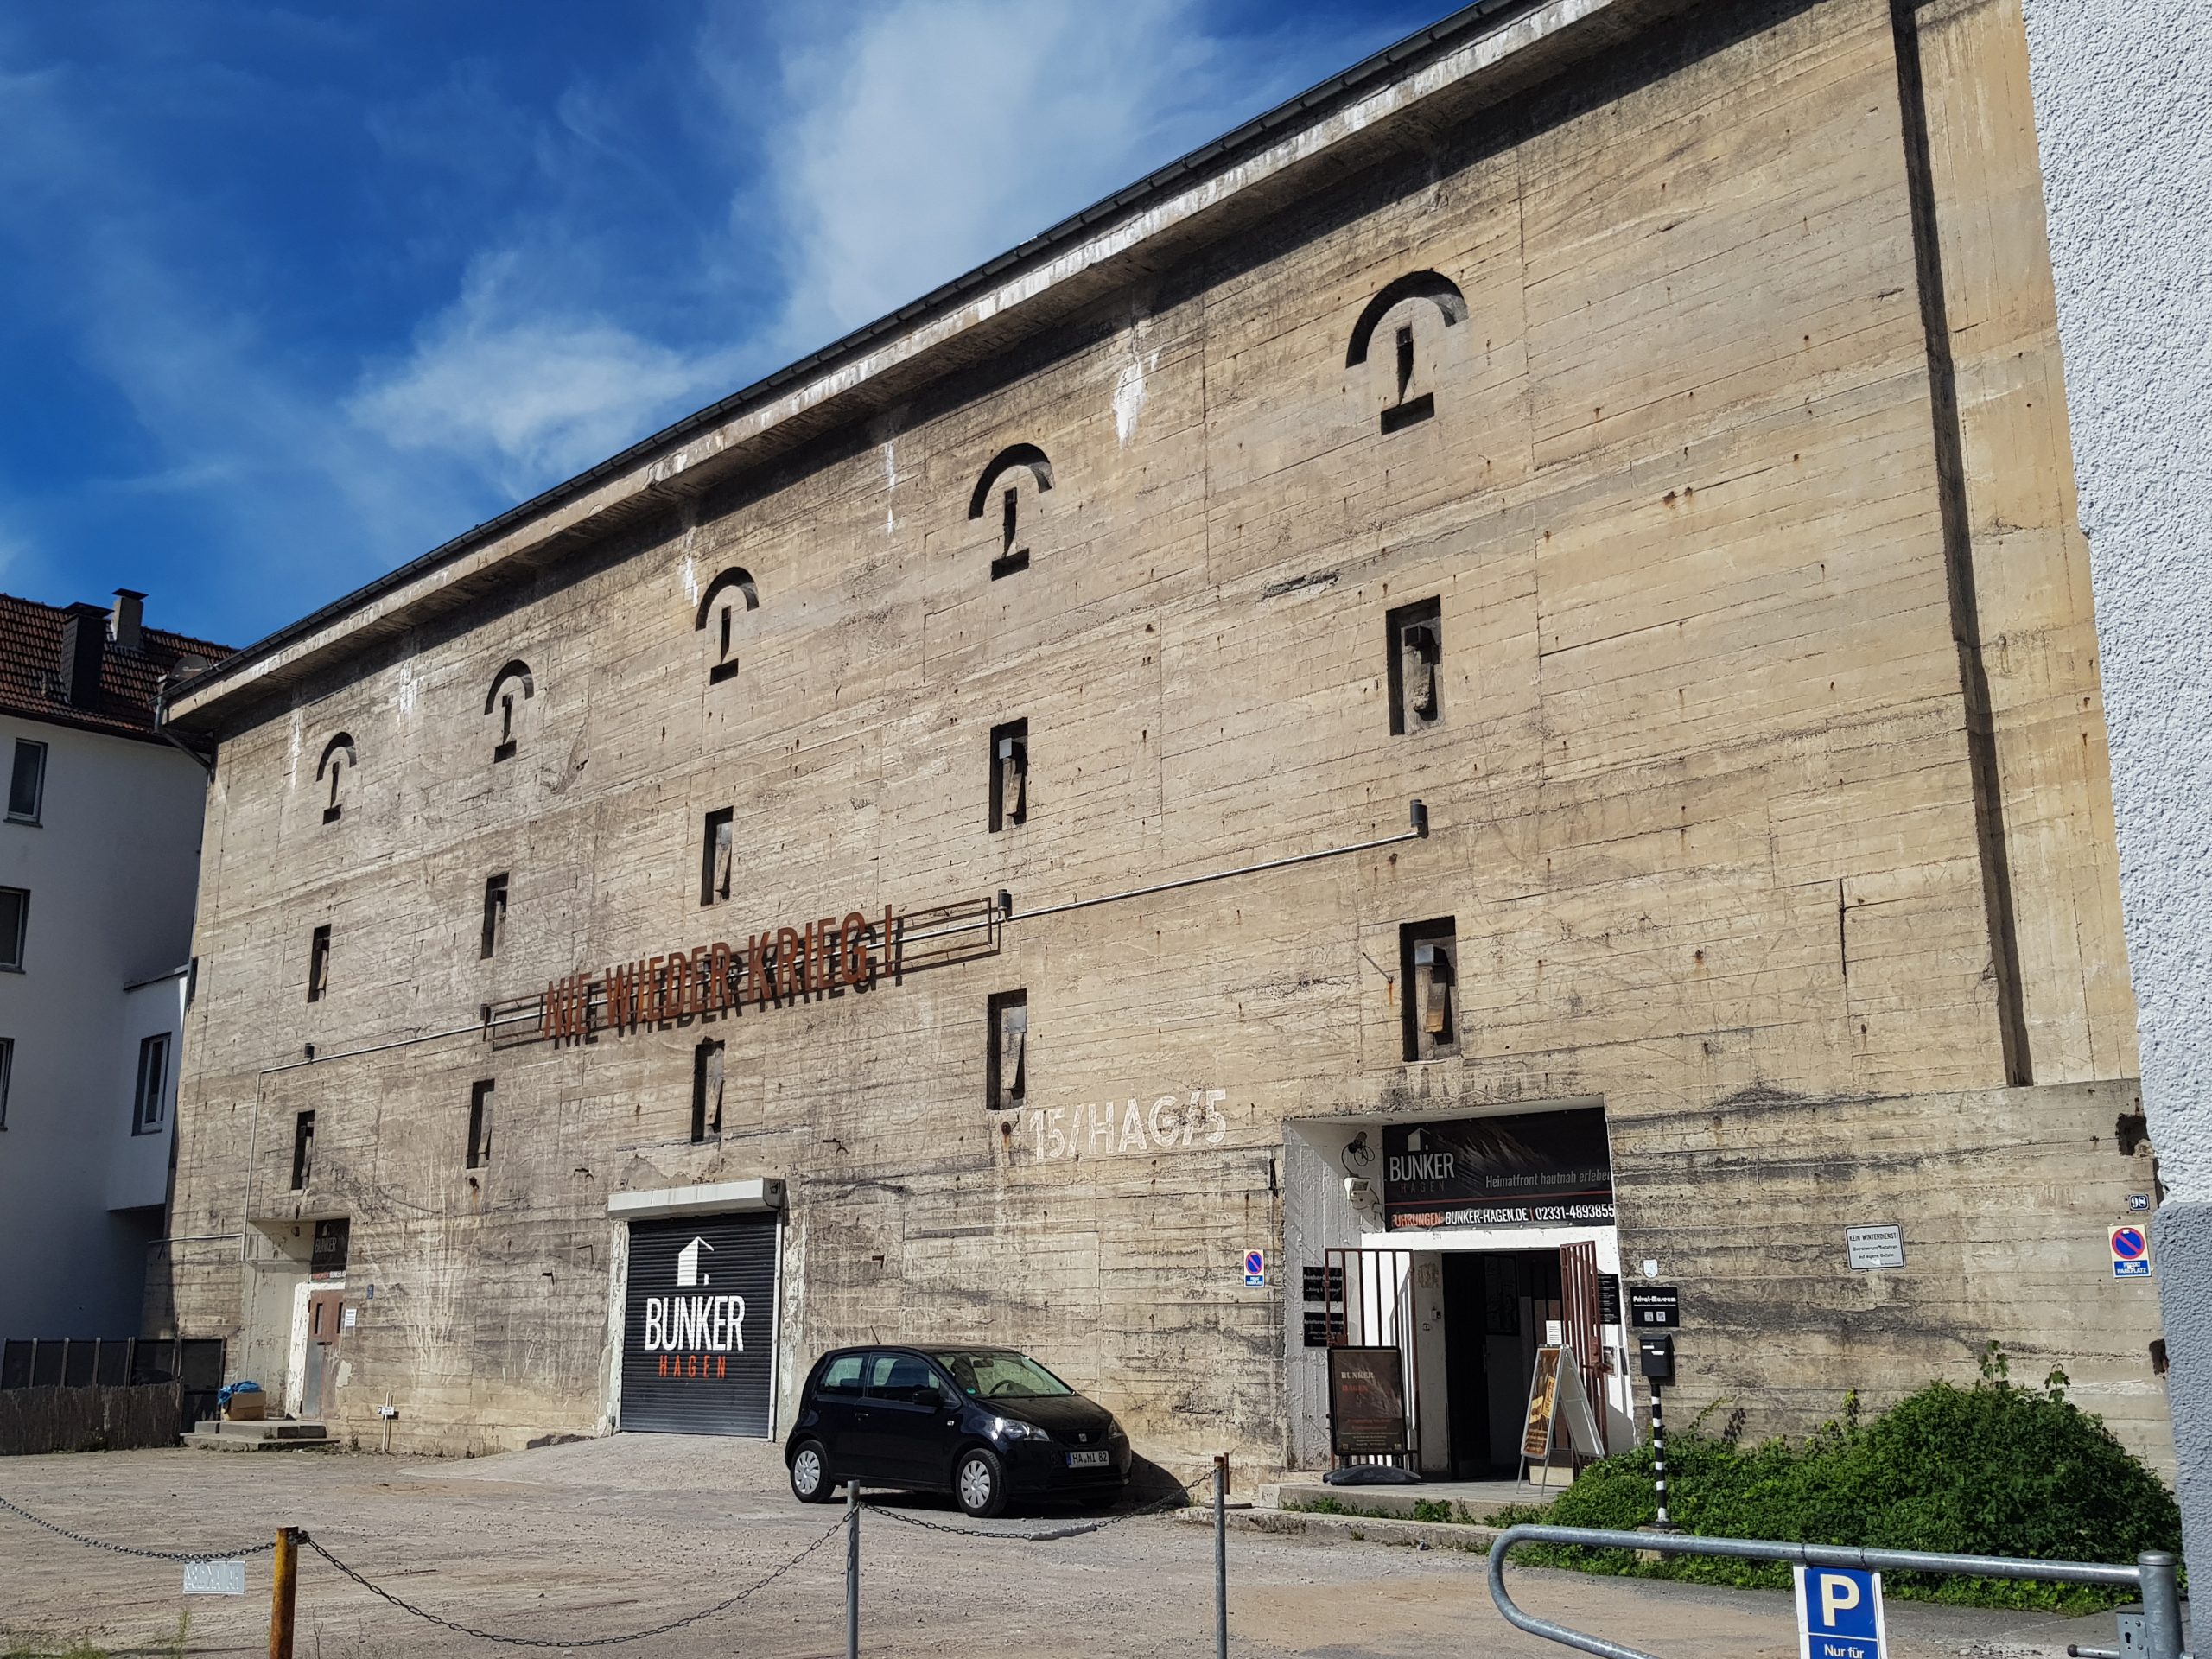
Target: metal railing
[2152, 1575]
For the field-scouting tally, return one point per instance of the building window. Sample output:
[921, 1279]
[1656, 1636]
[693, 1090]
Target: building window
[1416, 644]
[1007, 1079]
[479, 1124]
[727, 595]
[1009, 774]
[150, 1108]
[1417, 291]
[510, 687]
[27, 783]
[1428, 963]
[717, 853]
[706, 1090]
[1013, 555]
[302, 1150]
[15, 923]
[495, 917]
[7, 1070]
[337, 757]
[318, 964]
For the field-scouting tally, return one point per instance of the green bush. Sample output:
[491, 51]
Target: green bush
[1997, 1469]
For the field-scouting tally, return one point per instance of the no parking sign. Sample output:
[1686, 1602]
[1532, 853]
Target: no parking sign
[2131, 1252]
[1840, 1613]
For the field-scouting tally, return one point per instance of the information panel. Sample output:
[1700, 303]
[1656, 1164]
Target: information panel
[1367, 1403]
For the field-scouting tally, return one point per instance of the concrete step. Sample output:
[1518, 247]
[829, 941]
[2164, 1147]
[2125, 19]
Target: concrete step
[272, 1434]
[1462, 1502]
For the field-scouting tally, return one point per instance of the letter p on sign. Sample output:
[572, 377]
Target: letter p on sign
[1840, 1614]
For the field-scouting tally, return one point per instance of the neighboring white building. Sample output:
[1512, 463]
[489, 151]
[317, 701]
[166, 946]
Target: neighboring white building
[2125, 144]
[99, 859]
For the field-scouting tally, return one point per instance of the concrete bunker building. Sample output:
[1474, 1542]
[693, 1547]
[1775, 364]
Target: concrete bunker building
[1486, 686]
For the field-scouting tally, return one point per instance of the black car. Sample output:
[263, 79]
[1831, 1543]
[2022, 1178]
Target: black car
[984, 1424]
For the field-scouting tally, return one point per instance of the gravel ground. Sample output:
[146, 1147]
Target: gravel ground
[609, 1536]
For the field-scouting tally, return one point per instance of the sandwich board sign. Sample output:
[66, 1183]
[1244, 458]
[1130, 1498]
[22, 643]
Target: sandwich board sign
[1559, 1412]
[1840, 1613]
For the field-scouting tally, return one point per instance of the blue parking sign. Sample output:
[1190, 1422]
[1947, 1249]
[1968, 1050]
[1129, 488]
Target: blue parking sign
[1840, 1613]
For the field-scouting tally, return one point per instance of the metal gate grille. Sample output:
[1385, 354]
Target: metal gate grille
[698, 1330]
[1578, 1278]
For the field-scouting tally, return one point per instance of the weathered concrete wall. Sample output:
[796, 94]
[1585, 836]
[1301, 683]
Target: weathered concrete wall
[2126, 161]
[1704, 796]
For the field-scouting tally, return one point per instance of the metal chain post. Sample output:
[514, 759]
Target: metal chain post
[1220, 1556]
[284, 1592]
[852, 1569]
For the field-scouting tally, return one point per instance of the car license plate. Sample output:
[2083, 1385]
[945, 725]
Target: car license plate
[1087, 1459]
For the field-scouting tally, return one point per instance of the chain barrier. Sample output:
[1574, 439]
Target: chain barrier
[132, 1549]
[308, 1541]
[1175, 1500]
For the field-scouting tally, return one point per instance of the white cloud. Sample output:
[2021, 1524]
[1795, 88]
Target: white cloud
[923, 137]
[524, 388]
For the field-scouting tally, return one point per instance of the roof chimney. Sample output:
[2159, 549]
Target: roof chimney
[124, 621]
[84, 642]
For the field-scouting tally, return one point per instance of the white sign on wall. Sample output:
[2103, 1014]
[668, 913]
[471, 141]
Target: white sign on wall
[1875, 1247]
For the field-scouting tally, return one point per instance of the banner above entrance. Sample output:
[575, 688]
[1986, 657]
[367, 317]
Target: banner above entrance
[1540, 1169]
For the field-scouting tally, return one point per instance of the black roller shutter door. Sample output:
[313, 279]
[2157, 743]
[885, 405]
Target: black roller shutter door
[699, 1327]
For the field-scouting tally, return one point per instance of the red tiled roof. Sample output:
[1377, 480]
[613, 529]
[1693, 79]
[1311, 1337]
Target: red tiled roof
[31, 671]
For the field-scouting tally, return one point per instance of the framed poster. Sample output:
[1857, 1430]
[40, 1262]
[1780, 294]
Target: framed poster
[1367, 1403]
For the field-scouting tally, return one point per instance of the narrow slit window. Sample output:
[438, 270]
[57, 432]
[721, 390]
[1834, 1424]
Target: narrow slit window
[495, 917]
[505, 748]
[7, 1068]
[717, 855]
[27, 782]
[1415, 641]
[1006, 1063]
[479, 1124]
[1428, 962]
[302, 1150]
[15, 925]
[1410, 407]
[149, 1109]
[1012, 556]
[707, 1090]
[318, 964]
[1009, 775]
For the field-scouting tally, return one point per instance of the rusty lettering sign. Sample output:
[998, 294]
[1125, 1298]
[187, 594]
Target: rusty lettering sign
[772, 967]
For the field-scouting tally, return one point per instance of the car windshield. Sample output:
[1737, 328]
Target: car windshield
[994, 1374]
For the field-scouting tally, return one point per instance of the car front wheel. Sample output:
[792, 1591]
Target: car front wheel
[979, 1483]
[810, 1482]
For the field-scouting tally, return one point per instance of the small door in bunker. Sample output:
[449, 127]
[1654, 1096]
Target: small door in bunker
[1498, 1306]
[326, 1341]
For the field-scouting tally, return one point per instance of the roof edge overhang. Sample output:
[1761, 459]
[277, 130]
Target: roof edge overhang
[1475, 58]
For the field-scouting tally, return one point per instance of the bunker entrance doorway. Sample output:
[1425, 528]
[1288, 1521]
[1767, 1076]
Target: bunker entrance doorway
[1499, 1307]
[699, 1333]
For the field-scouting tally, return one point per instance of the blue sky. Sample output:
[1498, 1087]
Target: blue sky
[290, 295]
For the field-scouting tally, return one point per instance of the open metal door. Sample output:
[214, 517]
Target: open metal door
[1579, 1298]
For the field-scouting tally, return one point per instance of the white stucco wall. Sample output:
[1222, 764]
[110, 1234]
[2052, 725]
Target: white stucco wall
[111, 868]
[2124, 121]
[2124, 124]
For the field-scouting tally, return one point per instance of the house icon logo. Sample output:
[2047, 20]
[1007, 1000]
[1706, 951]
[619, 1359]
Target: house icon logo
[688, 1276]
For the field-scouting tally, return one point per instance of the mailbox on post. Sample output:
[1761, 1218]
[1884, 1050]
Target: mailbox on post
[1657, 1355]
